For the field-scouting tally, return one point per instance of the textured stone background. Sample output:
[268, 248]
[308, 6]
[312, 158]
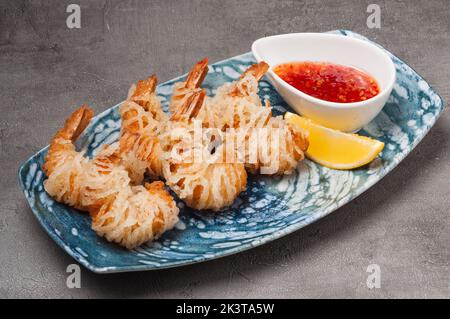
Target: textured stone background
[46, 70]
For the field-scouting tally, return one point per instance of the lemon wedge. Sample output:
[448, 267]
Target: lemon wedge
[335, 149]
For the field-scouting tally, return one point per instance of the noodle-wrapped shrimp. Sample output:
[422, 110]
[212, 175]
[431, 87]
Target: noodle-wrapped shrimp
[72, 178]
[183, 90]
[237, 104]
[137, 215]
[201, 179]
[142, 121]
[143, 93]
[64, 166]
[122, 213]
[274, 149]
[271, 145]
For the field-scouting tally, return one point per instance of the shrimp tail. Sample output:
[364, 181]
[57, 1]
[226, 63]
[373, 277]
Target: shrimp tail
[146, 85]
[257, 70]
[182, 91]
[197, 74]
[247, 85]
[191, 107]
[64, 138]
[75, 124]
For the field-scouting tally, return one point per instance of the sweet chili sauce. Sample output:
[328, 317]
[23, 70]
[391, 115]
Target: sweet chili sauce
[329, 82]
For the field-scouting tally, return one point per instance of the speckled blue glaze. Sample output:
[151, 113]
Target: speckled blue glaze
[269, 209]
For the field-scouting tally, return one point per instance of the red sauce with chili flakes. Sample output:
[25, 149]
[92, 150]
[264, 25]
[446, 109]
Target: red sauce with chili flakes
[329, 82]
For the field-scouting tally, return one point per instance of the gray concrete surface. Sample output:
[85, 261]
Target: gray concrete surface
[46, 70]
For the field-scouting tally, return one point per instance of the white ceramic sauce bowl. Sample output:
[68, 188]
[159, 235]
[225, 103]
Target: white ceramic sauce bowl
[332, 48]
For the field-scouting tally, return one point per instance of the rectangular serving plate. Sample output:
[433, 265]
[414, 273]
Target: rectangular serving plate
[269, 209]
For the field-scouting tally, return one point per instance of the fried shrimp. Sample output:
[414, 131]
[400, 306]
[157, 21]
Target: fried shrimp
[182, 90]
[142, 120]
[125, 214]
[200, 177]
[203, 151]
[137, 215]
[271, 145]
[279, 147]
[72, 178]
[143, 93]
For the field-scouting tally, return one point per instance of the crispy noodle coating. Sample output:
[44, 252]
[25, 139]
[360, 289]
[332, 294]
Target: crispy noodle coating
[142, 121]
[202, 182]
[136, 215]
[102, 187]
[272, 146]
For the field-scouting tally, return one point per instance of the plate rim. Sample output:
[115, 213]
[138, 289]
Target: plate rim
[89, 264]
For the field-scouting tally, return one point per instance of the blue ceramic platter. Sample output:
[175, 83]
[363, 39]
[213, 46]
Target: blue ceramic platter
[269, 209]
